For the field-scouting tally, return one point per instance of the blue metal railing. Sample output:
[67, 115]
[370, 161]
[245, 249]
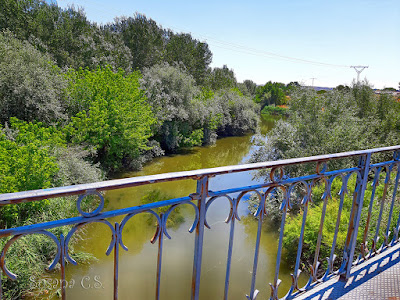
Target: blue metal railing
[368, 170]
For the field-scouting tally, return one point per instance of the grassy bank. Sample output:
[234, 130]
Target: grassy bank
[271, 110]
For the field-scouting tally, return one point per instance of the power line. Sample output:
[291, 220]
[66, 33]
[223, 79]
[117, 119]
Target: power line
[253, 51]
[234, 47]
[238, 47]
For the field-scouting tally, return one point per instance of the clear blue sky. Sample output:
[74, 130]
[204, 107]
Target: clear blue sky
[241, 34]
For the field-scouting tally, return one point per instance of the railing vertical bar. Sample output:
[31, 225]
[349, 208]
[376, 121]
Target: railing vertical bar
[62, 263]
[251, 296]
[275, 286]
[202, 191]
[371, 204]
[316, 262]
[296, 273]
[365, 165]
[378, 225]
[332, 255]
[396, 229]
[229, 258]
[116, 260]
[1, 285]
[350, 228]
[392, 205]
[159, 258]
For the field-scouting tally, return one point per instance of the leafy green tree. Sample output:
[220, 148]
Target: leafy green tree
[248, 88]
[26, 163]
[194, 55]
[221, 78]
[364, 97]
[111, 115]
[143, 37]
[272, 93]
[31, 85]
[16, 16]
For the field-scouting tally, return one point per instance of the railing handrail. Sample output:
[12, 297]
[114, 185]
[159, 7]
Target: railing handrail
[34, 195]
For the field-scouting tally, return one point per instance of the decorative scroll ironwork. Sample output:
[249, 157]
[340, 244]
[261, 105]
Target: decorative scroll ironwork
[280, 183]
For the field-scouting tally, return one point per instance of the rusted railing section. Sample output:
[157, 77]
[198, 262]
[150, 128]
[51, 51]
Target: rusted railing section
[368, 170]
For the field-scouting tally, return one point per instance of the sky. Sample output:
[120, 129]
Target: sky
[284, 41]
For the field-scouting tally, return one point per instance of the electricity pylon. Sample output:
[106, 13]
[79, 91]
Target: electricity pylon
[359, 69]
[313, 81]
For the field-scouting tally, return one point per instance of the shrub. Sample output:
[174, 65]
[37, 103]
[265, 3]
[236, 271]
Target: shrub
[274, 110]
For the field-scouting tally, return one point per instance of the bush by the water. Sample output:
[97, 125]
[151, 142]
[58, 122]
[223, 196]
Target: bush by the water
[275, 110]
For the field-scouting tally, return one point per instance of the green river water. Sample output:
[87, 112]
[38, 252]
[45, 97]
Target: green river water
[137, 271]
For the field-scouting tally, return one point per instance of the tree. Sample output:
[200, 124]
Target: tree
[343, 88]
[65, 34]
[112, 115]
[291, 87]
[248, 87]
[26, 163]
[194, 55]
[364, 97]
[221, 78]
[172, 93]
[31, 85]
[144, 38]
[272, 93]
[239, 113]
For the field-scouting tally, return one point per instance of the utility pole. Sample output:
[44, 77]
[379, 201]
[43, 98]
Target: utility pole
[313, 81]
[359, 69]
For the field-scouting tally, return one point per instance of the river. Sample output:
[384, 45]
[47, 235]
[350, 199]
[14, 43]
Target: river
[137, 271]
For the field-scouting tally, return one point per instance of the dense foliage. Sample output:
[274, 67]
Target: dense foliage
[281, 110]
[189, 115]
[109, 113]
[336, 121]
[32, 87]
[78, 101]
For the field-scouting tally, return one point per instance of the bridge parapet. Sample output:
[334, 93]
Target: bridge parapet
[290, 181]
